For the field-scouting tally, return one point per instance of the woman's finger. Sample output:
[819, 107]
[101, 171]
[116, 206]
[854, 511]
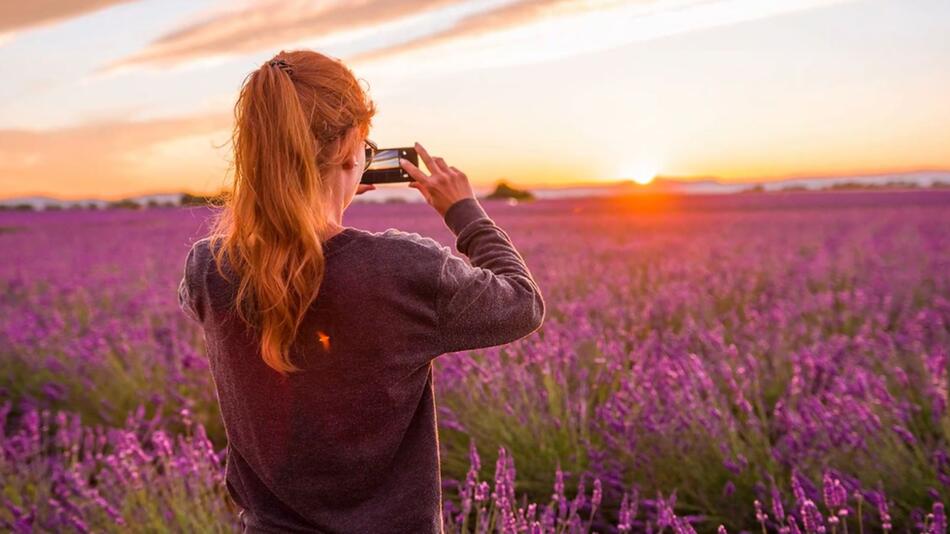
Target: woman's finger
[362, 188]
[413, 171]
[441, 165]
[426, 158]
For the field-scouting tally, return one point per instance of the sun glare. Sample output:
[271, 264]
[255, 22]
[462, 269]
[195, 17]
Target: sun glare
[641, 172]
[644, 179]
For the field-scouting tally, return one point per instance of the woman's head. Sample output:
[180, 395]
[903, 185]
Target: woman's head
[299, 110]
[300, 123]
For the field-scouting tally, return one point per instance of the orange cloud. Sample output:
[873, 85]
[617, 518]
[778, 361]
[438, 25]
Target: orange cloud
[21, 15]
[100, 158]
[267, 25]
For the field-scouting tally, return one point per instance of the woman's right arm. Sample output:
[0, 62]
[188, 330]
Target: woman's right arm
[493, 301]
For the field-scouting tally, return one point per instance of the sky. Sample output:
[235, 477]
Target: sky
[113, 98]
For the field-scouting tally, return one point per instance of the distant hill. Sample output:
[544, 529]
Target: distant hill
[661, 185]
[505, 191]
[708, 186]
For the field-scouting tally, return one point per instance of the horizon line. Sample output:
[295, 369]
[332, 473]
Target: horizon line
[695, 178]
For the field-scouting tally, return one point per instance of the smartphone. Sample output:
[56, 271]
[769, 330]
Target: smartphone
[385, 168]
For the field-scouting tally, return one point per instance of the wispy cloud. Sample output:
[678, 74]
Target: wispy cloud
[541, 29]
[113, 155]
[266, 24]
[520, 13]
[509, 16]
[16, 16]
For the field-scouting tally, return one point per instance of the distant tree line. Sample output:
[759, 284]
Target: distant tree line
[502, 191]
[217, 199]
[852, 186]
[186, 199]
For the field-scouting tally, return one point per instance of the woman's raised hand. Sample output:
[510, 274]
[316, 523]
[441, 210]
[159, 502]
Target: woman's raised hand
[445, 186]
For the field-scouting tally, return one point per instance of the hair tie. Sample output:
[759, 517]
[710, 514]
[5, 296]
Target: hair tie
[283, 65]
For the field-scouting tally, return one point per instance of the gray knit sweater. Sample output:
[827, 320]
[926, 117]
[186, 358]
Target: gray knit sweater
[351, 443]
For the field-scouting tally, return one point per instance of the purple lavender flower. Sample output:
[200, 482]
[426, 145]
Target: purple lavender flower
[778, 511]
[474, 460]
[54, 391]
[792, 525]
[596, 496]
[481, 492]
[811, 518]
[883, 511]
[904, 434]
[559, 485]
[628, 510]
[760, 514]
[665, 513]
[828, 491]
[939, 519]
[685, 526]
[728, 489]
[797, 489]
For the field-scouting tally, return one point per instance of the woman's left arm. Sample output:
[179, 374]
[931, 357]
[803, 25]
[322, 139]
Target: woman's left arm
[186, 299]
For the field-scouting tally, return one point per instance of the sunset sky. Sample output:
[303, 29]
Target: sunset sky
[108, 98]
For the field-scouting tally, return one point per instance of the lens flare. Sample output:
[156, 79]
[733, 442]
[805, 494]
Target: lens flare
[324, 340]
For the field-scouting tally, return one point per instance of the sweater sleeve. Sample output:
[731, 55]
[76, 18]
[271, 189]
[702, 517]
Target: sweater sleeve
[187, 293]
[493, 301]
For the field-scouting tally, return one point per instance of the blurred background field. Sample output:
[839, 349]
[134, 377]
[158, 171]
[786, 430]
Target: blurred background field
[700, 353]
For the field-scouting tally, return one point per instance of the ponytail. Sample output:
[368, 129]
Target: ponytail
[291, 126]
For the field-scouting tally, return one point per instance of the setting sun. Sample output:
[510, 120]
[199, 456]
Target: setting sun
[644, 179]
[641, 172]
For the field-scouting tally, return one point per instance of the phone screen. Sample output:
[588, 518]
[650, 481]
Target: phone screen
[385, 167]
[385, 159]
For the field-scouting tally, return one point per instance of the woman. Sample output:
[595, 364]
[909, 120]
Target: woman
[320, 336]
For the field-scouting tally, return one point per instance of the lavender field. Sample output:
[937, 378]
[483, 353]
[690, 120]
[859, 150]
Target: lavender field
[761, 362]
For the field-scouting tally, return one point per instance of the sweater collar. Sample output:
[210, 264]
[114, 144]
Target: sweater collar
[338, 241]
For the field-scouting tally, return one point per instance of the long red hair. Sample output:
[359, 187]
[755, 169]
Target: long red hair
[293, 123]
